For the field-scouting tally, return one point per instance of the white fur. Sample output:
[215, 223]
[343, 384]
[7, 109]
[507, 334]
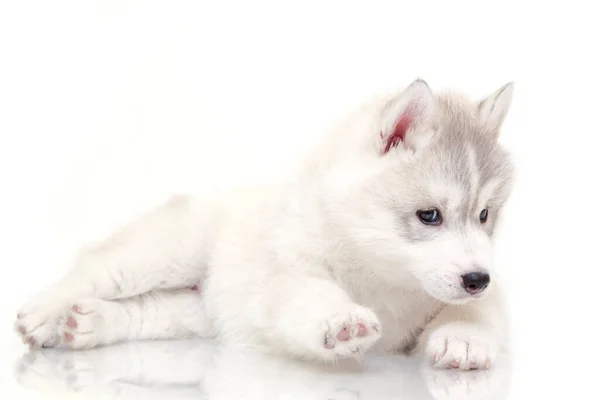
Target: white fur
[291, 267]
[493, 109]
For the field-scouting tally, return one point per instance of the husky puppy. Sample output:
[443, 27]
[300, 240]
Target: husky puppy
[382, 240]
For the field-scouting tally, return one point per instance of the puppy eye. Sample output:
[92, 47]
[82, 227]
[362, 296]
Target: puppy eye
[430, 217]
[483, 215]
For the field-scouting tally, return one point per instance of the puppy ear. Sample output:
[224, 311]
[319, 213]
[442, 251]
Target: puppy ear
[408, 119]
[493, 109]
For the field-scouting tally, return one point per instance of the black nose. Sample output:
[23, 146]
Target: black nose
[475, 282]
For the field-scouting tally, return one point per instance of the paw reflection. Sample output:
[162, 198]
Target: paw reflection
[467, 385]
[197, 369]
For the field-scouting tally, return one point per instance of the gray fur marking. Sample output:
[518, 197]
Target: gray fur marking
[447, 160]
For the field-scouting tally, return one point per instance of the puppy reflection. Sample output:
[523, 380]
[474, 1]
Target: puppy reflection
[197, 369]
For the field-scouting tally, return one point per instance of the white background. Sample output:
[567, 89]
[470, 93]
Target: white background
[107, 107]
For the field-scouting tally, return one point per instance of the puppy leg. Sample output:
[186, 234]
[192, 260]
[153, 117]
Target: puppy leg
[307, 317]
[164, 249]
[467, 336]
[91, 322]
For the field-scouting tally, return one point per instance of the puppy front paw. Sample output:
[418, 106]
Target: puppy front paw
[352, 332]
[461, 346]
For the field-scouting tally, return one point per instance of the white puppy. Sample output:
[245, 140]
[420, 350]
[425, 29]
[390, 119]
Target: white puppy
[382, 240]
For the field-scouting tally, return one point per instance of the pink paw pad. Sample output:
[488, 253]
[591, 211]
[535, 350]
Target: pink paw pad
[343, 335]
[68, 337]
[348, 333]
[362, 330]
[453, 364]
[71, 323]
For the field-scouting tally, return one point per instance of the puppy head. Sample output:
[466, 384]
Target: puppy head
[422, 191]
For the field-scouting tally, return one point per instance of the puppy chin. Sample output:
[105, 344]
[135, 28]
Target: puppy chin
[458, 296]
[460, 300]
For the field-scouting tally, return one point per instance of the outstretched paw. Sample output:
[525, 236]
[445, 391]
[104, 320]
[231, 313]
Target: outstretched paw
[351, 333]
[461, 346]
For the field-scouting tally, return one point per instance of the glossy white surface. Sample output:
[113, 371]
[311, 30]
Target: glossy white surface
[196, 370]
[107, 107]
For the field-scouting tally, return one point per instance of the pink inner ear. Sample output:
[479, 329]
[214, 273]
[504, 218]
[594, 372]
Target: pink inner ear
[399, 133]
